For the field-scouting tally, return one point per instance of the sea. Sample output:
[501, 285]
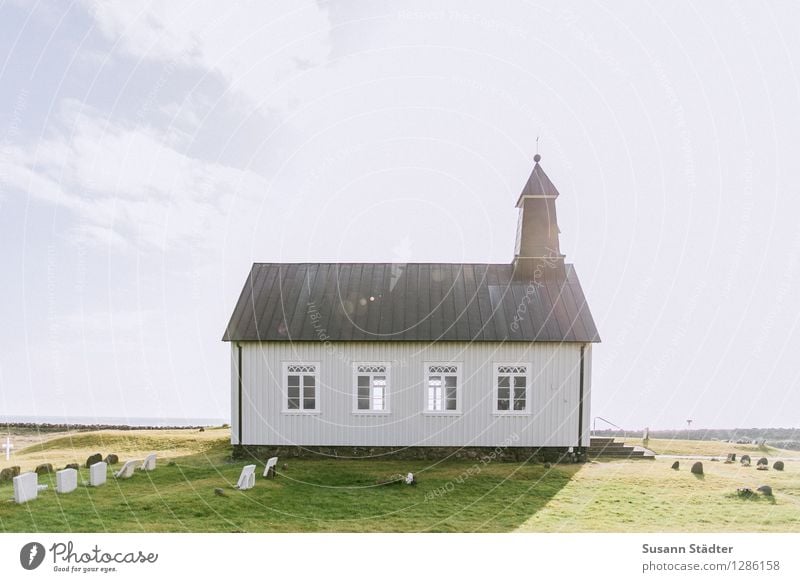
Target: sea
[113, 420]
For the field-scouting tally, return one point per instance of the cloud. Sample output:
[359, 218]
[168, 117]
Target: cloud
[127, 186]
[255, 48]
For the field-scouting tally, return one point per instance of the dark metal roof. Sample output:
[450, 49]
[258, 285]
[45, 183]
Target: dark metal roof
[407, 302]
[538, 184]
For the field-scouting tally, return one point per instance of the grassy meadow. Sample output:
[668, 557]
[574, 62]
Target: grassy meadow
[342, 495]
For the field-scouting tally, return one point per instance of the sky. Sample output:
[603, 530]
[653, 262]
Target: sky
[151, 152]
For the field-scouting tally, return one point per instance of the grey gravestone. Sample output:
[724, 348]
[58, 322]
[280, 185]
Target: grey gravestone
[75, 466]
[6, 475]
[778, 466]
[697, 468]
[220, 491]
[112, 459]
[765, 490]
[44, 469]
[745, 460]
[95, 458]
[763, 461]
[676, 465]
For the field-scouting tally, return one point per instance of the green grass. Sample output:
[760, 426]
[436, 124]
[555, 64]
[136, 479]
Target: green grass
[342, 495]
[648, 496]
[710, 448]
[330, 495]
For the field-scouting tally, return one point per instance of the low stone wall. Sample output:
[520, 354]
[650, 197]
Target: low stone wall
[510, 454]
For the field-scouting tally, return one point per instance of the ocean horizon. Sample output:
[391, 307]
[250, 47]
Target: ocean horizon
[111, 420]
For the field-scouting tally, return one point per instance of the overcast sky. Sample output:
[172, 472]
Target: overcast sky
[150, 153]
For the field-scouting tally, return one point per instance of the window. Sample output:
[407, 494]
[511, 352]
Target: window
[511, 388]
[300, 382]
[371, 387]
[443, 383]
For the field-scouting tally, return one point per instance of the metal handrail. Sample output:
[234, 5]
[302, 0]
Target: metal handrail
[594, 425]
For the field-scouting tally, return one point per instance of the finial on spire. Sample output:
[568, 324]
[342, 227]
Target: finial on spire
[537, 157]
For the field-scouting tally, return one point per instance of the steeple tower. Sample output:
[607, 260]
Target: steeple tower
[537, 254]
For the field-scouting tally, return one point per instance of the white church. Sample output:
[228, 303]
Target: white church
[420, 360]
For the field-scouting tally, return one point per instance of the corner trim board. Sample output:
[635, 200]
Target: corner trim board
[239, 400]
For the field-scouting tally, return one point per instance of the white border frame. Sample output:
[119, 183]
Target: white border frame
[285, 388]
[459, 389]
[386, 394]
[528, 390]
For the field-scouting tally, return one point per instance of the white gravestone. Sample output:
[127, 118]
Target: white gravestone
[149, 463]
[127, 470]
[66, 480]
[26, 487]
[8, 446]
[98, 473]
[248, 477]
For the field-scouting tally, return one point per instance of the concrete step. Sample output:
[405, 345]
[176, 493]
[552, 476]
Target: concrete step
[608, 447]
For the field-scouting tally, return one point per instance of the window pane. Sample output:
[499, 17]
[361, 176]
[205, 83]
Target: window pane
[451, 404]
[294, 403]
[450, 380]
[363, 381]
[519, 381]
[363, 403]
[363, 391]
[308, 403]
[434, 399]
[503, 381]
[502, 404]
[379, 381]
[503, 393]
[308, 386]
[293, 392]
[293, 381]
[377, 403]
[519, 393]
[519, 404]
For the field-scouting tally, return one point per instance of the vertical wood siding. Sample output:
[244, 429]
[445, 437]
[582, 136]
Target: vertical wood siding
[553, 396]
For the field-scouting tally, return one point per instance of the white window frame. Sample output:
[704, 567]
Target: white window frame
[317, 388]
[459, 387]
[528, 388]
[386, 391]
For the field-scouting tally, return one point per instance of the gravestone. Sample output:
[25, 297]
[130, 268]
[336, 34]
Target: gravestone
[95, 458]
[149, 463]
[745, 460]
[44, 469]
[697, 468]
[66, 480]
[763, 461]
[778, 466]
[97, 474]
[765, 490]
[26, 487]
[112, 459]
[676, 465]
[75, 466]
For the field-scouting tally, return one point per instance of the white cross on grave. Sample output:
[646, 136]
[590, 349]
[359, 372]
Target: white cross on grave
[8, 446]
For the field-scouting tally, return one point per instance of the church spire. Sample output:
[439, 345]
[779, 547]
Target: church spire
[537, 251]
